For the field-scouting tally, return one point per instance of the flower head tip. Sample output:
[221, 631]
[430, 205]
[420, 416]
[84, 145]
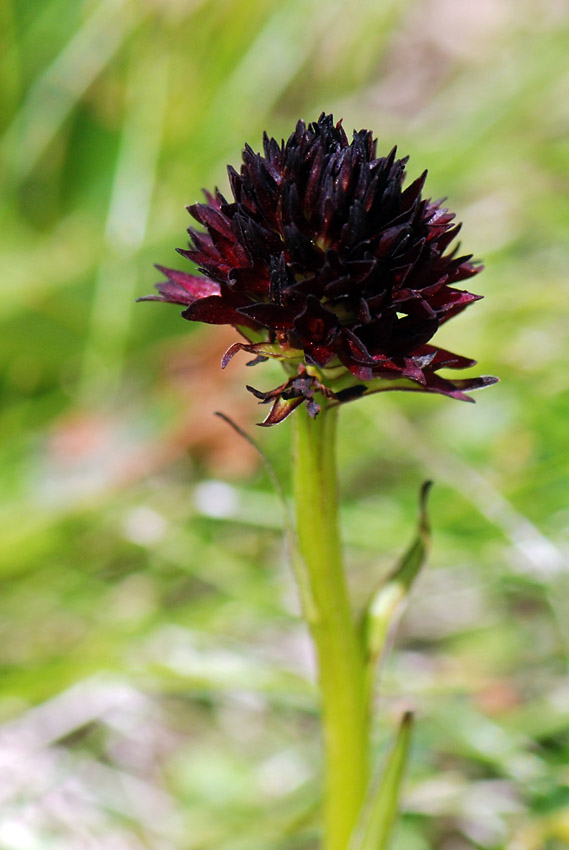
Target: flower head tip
[324, 261]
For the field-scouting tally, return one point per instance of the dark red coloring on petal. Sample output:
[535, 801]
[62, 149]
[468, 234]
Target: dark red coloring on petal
[182, 288]
[323, 252]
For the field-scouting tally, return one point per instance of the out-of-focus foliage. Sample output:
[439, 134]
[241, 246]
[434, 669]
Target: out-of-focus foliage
[156, 682]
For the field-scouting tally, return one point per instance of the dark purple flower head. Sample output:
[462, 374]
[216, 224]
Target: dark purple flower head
[324, 261]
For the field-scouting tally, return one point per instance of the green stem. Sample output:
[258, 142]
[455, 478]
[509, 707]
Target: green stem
[340, 658]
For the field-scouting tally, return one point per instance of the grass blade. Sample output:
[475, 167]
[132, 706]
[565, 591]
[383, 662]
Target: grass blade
[387, 602]
[385, 806]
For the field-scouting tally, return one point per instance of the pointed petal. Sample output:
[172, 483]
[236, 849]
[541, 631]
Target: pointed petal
[182, 288]
[270, 315]
[215, 311]
[280, 410]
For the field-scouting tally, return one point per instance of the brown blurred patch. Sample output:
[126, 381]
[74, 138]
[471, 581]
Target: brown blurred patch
[88, 452]
[194, 372]
[498, 697]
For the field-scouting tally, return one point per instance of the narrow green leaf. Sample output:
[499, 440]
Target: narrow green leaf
[388, 601]
[384, 808]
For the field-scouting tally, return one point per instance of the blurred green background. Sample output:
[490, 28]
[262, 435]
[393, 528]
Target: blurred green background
[156, 681]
